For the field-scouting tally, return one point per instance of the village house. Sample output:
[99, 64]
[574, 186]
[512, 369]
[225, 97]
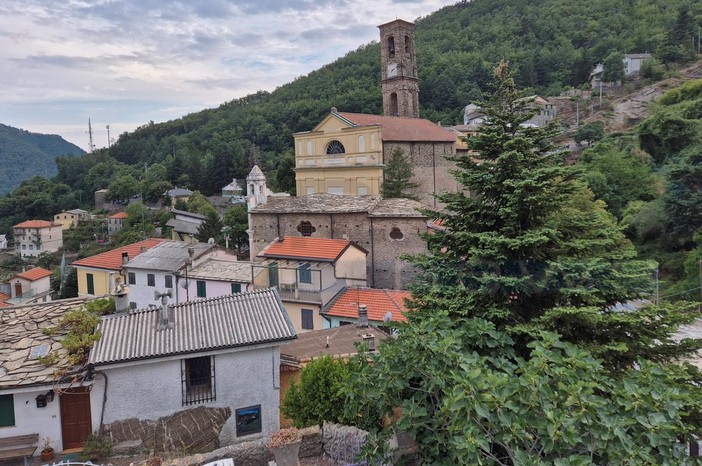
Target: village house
[34, 237]
[115, 223]
[184, 225]
[382, 306]
[210, 363]
[308, 272]
[30, 286]
[166, 267]
[33, 400]
[98, 275]
[70, 218]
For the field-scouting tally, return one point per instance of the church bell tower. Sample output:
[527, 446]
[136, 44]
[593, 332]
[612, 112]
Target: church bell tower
[398, 61]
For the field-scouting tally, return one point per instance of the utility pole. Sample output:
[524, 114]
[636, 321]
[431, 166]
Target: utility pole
[91, 145]
[108, 136]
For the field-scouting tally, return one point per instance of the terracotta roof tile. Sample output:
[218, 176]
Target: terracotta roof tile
[302, 247]
[336, 341]
[34, 274]
[34, 224]
[119, 215]
[378, 302]
[4, 297]
[112, 260]
[401, 129]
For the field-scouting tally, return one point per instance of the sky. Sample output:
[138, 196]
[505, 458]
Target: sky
[124, 63]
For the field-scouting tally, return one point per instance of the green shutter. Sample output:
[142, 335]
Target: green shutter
[236, 288]
[91, 284]
[201, 289]
[7, 410]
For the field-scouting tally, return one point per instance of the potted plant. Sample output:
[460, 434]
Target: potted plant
[47, 451]
[285, 446]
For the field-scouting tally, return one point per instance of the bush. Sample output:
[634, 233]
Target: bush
[97, 448]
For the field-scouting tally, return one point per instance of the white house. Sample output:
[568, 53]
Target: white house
[216, 360]
[34, 237]
[32, 285]
[216, 277]
[166, 267]
[32, 399]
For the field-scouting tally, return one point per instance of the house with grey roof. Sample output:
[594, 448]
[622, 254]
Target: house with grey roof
[33, 397]
[210, 363]
[218, 277]
[166, 268]
[184, 225]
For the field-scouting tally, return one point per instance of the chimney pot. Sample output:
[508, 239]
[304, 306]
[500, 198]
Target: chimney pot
[125, 257]
[362, 316]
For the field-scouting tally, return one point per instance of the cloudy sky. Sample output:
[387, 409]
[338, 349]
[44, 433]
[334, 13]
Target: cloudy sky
[124, 63]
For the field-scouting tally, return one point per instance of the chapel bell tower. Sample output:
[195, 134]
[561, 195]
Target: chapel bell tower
[398, 69]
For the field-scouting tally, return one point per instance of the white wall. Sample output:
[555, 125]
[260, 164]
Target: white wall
[212, 287]
[152, 388]
[142, 294]
[32, 420]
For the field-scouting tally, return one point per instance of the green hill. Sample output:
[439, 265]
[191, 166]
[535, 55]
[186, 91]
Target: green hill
[24, 155]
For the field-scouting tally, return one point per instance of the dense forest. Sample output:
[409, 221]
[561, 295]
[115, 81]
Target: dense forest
[552, 44]
[24, 155]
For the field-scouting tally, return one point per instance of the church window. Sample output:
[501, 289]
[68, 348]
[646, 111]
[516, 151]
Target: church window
[408, 44]
[310, 150]
[362, 191]
[361, 144]
[396, 234]
[393, 105]
[391, 47]
[305, 228]
[335, 147]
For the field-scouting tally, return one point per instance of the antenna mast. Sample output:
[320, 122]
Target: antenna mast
[108, 136]
[91, 145]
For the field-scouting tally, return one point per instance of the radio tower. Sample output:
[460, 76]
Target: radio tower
[91, 145]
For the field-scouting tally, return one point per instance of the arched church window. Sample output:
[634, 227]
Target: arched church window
[335, 147]
[394, 111]
[391, 47]
[408, 44]
[396, 234]
[305, 228]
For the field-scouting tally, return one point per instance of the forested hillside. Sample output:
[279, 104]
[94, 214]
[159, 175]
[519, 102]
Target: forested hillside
[24, 155]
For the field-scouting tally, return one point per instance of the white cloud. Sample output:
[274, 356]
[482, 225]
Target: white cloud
[126, 62]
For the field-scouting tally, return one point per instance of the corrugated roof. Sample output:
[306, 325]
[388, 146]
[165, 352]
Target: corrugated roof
[379, 303]
[119, 215]
[34, 224]
[224, 322]
[34, 274]
[23, 340]
[169, 256]
[401, 129]
[112, 260]
[303, 247]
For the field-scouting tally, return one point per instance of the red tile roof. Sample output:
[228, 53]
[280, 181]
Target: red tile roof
[34, 274]
[119, 215]
[34, 224]
[112, 260]
[303, 247]
[401, 129]
[378, 302]
[4, 297]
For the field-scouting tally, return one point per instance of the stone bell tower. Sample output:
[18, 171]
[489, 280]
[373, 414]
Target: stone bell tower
[398, 69]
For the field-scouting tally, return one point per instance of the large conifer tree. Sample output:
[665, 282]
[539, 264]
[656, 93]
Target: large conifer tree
[526, 246]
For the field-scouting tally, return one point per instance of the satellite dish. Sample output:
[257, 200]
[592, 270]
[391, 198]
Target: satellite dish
[185, 283]
[210, 241]
[388, 317]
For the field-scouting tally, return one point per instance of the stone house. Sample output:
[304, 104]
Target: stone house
[308, 272]
[212, 363]
[32, 398]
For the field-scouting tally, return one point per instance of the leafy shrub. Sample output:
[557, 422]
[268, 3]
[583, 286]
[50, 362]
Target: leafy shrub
[689, 91]
[97, 447]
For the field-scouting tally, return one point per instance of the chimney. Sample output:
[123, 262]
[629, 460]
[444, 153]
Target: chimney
[121, 295]
[125, 257]
[142, 249]
[362, 316]
[166, 313]
[369, 340]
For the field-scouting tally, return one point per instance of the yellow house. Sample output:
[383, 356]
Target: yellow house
[97, 274]
[308, 273]
[70, 218]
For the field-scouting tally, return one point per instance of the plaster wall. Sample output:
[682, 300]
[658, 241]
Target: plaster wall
[101, 280]
[213, 288]
[152, 388]
[143, 294]
[32, 420]
[294, 310]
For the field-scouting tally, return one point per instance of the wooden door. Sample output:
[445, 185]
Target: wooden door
[18, 289]
[76, 424]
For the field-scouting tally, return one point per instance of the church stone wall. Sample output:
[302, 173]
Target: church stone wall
[388, 270]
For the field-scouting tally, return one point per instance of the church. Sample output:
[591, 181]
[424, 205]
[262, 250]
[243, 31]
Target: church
[346, 152]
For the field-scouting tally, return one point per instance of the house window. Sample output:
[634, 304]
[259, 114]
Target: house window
[24, 246]
[91, 283]
[31, 247]
[198, 376]
[201, 289]
[335, 147]
[307, 322]
[248, 420]
[305, 273]
[236, 288]
[131, 278]
[168, 281]
[396, 234]
[273, 274]
[7, 410]
[150, 279]
[132, 305]
[305, 228]
[362, 191]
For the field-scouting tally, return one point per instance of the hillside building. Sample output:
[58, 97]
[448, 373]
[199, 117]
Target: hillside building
[34, 237]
